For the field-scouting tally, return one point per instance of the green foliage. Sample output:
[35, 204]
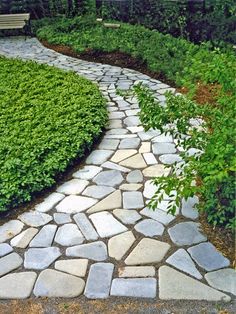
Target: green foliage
[198, 21]
[212, 166]
[48, 119]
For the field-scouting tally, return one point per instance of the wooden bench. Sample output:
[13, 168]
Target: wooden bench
[14, 21]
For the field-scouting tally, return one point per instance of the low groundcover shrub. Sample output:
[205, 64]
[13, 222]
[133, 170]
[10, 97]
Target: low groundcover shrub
[48, 118]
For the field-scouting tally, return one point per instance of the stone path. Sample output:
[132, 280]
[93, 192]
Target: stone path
[94, 235]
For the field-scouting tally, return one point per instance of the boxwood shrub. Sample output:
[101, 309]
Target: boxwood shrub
[48, 118]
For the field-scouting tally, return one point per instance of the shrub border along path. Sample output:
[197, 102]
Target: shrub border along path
[94, 235]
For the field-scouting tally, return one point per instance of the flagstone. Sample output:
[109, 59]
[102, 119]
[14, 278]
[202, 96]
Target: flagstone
[114, 166]
[130, 187]
[87, 172]
[17, 285]
[136, 271]
[96, 251]
[52, 283]
[127, 216]
[49, 202]
[74, 186]
[73, 204]
[182, 261]
[5, 249]
[106, 225]
[174, 285]
[109, 178]
[112, 201]
[147, 251]
[123, 154]
[35, 219]
[23, 239]
[156, 171]
[135, 161]
[98, 157]
[119, 245]
[68, 235]
[76, 267]
[9, 263]
[10, 229]
[186, 233]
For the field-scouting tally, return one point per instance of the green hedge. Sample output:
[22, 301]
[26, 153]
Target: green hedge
[48, 119]
[185, 64]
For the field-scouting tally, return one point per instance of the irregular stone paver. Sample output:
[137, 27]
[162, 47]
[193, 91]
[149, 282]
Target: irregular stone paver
[106, 225]
[109, 178]
[96, 251]
[9, 263]
[145, 148]
[135, 176]
[17, 285]
[132, 200]
[170, 159]
[136, 271]
[123, 154]
[49, 202]
[158, 215]
[186, 233]
[149, 228]
[98, 157]
[156, 171]
[207, 257]
[61, 218]
[129, 143]
[22, 240]
[76, 267]
[99, 191]
[87, 172]
[86, 227]
[45, 237]
[223, 279]
[113, 166]
[135, 161]
[99, 281]
[181, 260]
[124, 149]
[130, 187]
[175, 285]
[112, 201]
[41, 258]
[127, 216]
[68, 235]
[147, 251]
[74, 204]
[134, 287]
[119, 245]
[74, 186]
[163, 148]
[35, 219]
[5, 249]
[188, 207]
[109, 144]
[10, 229]
[149, 158]
[52, 283]
[163, 138]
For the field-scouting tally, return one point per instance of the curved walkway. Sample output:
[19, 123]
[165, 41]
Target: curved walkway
[94, 235]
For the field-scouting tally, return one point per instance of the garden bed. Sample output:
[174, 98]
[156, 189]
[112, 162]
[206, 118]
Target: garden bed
[49, 119]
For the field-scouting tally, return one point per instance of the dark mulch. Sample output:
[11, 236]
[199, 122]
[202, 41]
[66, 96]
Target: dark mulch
[113, 58]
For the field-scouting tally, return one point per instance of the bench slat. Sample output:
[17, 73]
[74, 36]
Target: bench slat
[11, 27]
[21, 15]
